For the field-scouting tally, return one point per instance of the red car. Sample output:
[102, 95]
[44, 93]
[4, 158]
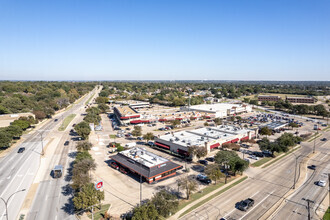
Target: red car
[114, 165]
[123, 170]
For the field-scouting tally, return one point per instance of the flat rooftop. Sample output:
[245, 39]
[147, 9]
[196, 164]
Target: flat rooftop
[215, 107]
[125, 110]
[275, 125]
[200, 136]
[132, 102]
[143, 156]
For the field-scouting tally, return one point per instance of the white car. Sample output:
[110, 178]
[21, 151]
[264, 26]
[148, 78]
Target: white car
[321, 183]
[254, 157]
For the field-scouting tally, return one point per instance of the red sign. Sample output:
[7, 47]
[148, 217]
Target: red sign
[99, 185]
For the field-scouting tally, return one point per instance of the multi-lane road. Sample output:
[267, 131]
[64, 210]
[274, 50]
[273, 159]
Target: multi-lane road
[18, 170]
[269, 185]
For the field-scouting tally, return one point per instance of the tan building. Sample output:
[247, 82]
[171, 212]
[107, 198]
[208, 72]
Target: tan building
[301, 99]
[273, 98]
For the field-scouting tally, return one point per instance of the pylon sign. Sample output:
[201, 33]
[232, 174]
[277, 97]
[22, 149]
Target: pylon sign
[99, 185]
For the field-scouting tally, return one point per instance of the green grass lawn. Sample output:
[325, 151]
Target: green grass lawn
[66, 122]
[261, 161]
[327, 214]
[278, 158]
[98, 214]
[112, 136]
[206, 191]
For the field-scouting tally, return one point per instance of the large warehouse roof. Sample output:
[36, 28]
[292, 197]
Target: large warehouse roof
[215, 107]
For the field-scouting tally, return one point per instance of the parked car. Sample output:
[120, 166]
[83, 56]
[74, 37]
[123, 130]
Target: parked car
[254, 157]
[114, 165]
[140, 138]
[320, 183]
[73, 125]
[204, 162]
[211, 159]
[66, 143]
[150, 143]
[324, 139]
[123, 170]
[312, 167]
[204, 179]
[56, 120]
[244, 205]
[21, 150]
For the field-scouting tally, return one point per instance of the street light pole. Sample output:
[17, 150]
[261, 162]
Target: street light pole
[6, 201]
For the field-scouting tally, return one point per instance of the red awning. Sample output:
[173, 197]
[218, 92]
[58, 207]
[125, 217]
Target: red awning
[123, 118]
[207, 116]
[245, 138]
[214, 145]
[182, 152]
[139, 121]
[178, 118]
[228, 142]
[235, 140]
[162, 145]
[162, 119]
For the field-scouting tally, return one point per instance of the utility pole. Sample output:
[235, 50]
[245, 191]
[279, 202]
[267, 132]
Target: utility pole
[42, 145]
[308, 207]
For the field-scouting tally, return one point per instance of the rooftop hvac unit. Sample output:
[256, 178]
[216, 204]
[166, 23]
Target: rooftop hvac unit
[182, 134]
[209, 129]
[225, 135]
[177, 139]
[184, 141]
[171, 140]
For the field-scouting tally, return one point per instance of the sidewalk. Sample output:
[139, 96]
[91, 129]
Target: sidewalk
[177, 214]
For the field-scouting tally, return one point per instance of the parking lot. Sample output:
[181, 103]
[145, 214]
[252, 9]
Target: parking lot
[123, 190]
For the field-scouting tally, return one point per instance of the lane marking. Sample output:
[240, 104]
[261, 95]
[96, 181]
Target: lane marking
[257, 205]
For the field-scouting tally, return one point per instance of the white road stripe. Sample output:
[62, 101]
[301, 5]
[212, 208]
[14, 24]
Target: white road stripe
[257, 205]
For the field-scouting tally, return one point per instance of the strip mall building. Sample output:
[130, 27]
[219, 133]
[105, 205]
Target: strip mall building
[141, 162]
[210, 138]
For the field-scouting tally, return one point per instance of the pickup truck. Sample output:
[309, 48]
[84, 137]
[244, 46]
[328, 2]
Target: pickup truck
[244, 205]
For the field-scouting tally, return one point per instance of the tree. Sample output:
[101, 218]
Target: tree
[201, 152]
[293, 125]
[3, 110]
[175, 123]
[23, 124]
[4, 140]
[213, 172]
[165, 203]
[265, 131]
[253, 102]
[83, 129]
[137, 131]
[84, 146]
[148, 136]
[218, 121]
[206, 124]
[187, 184]
[101, 99]
[40, 115]
[92, 118]
[88, 196]
[14, 131]
[93, 110]
[146, 211]
[103, 107]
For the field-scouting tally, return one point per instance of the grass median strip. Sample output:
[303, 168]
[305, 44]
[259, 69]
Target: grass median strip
[100, 213]
[89, 99]
[327, 214]
[66, 122]
[261, 162]
[315, 137]
[206, 191]
[278, 158]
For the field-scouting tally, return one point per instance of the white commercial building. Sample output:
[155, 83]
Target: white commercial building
[219, 110]
[210, 138]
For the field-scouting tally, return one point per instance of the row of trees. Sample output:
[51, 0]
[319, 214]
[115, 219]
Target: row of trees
[160, 206]
[85, 194]
[41, 98]
[92, 116]
[15, 130]
[281, 144]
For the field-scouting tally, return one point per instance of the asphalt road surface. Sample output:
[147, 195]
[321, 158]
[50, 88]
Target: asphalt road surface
[269, 186]
[18, 170]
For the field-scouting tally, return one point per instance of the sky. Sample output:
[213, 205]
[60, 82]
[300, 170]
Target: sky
[165, 40]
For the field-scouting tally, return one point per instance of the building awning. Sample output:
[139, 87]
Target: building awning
[183, 152]
[124, 118]
[162, 119]
[245, 138]
[228, 142]
[235, 140]
[178, 119]
[214, 145]
[162, 145]
[139, 121]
